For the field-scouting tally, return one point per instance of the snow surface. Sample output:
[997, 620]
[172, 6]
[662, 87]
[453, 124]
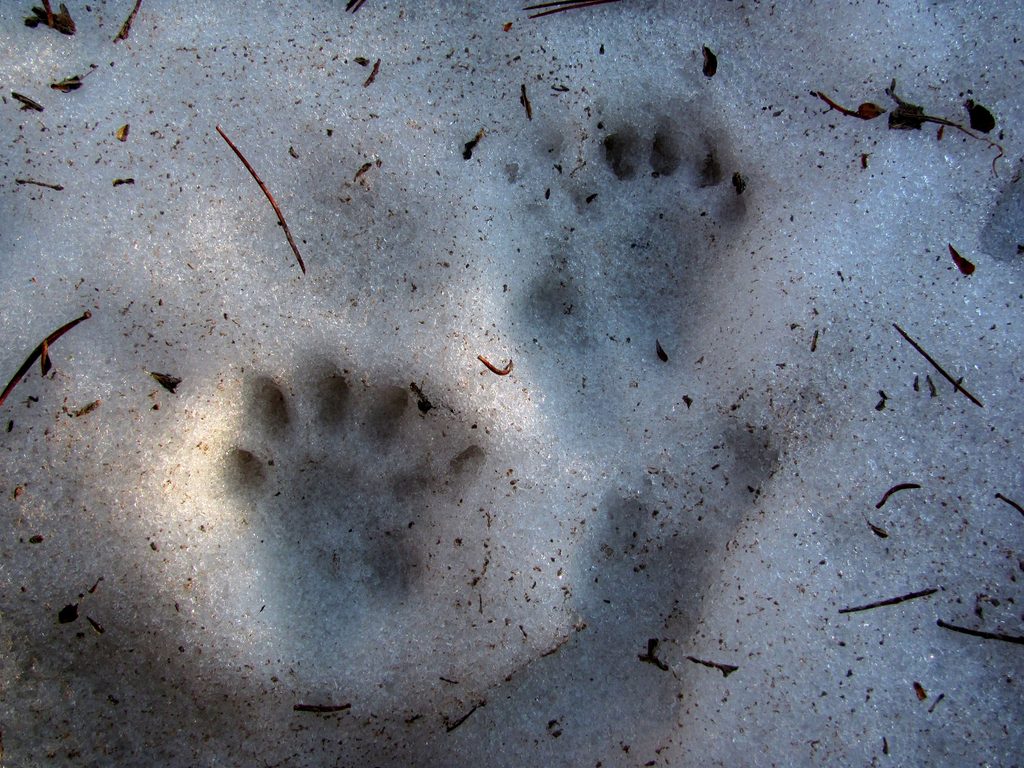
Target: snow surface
[478, 580]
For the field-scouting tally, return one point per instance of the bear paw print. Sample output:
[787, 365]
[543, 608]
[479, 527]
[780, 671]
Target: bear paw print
[345, 485]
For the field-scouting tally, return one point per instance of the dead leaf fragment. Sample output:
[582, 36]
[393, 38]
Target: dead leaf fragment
[60, 21]
[869, 111]
[981, 119]
[710, 62]
[165, 380]
[68, 84]
[962, 264]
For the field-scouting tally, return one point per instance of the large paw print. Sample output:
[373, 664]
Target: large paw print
[656, 230]
[350, 539]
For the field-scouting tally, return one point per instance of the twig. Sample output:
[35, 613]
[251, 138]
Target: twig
[354, 5]
[1011, 502]
[938, 367]
[1017, 639]
[564, 5]
[57, 187]
[127, 26]
[895, 489]
[890, 601]
[270, 197]
[42, 351]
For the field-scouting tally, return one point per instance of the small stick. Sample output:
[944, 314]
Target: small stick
[354, 5]
[495, 369]
[321, 709]
[127, 26]
[566, 5]
[896, 489]
[1011, 502]
[938, 367]
[57, 187]
[40, 352]
[984, 635]
[890, 601]
[49, 13]
[725, 669]
[270, 197]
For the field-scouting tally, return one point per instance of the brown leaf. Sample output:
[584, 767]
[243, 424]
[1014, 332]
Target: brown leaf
[962, 264]
[869, 111]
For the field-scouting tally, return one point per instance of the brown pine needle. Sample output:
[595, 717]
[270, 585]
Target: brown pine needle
[938, 367]
[270, 197]
[889, 601]
[41, 352]
[1011, 502]
[896, 489]
[495, 369]
[563, 5]
[321, 709]
[1017, 639]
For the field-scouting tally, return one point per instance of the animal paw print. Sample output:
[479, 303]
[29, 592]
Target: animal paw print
[346, 485]
[638, 261]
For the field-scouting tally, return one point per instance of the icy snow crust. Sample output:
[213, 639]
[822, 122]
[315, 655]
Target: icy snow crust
[479, 578]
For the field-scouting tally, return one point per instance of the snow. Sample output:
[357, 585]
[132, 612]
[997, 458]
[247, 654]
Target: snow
[340, 506]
